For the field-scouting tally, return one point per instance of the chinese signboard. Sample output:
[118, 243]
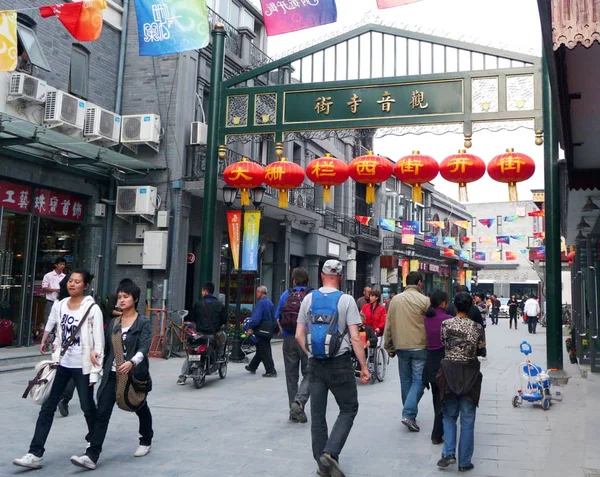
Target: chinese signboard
[374, 102]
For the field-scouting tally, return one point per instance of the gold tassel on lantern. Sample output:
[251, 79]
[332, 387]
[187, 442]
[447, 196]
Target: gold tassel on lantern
[327, 194]
[283, 199]
[245, 199]
[418, 193]
[462, 192]
[513, 195]
[370, 193]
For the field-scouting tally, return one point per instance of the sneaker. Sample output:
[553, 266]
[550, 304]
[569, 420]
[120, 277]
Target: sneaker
[83, 461]
[329, 464]
[446, 461]
[63, 408]
[181, 381]
[466, 468]
[297, 413]
[141, 451]
[30, 461]
[249, 369]
[411, 424]
[269, 375]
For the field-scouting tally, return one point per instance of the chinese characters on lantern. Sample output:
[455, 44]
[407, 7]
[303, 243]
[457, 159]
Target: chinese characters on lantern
[410, 165]
[459, 164]
[323, 169]
[274, 173]
[510, 163]
[366, 168]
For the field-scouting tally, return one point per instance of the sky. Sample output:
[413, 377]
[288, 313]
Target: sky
[508, 24]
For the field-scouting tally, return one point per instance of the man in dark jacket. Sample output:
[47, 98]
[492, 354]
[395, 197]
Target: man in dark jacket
[264, 310]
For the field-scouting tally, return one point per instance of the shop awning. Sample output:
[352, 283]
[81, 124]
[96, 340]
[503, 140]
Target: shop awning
[28, 141]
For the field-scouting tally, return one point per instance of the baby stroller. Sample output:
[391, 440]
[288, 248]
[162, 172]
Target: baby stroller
[535, 382]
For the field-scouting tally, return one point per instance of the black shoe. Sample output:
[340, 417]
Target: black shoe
[329, 464]
[249, 369]
[268, 375]
[437, 442]
[466, 468]
[63, 408]
[446, 461]
[297, 413]
[411, 424]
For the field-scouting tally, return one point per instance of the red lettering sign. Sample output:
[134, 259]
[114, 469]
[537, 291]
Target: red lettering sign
[15, 196]
[57, 204]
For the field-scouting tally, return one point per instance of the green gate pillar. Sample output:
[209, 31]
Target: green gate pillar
[212, 155]
[553, 238]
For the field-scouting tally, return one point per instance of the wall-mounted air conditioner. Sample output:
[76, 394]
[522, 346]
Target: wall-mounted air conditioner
[141, 129]
[198, 134]
[137, 200]
[64, 110]
[101, 126]
[26, 88]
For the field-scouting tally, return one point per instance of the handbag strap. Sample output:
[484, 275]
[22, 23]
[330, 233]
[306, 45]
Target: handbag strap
[36, 380]
[71, 339]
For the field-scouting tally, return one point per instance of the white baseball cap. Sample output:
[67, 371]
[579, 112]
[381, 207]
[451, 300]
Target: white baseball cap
[332, 267]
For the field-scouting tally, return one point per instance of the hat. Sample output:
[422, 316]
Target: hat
[332, 267]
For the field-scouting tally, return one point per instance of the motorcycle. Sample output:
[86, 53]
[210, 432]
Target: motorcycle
[203, 359]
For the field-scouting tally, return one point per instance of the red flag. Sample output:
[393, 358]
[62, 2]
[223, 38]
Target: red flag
[541, 235]
[537, 213]
[83, 20]
[448, 252]
[363, 219]
[511, 255]
[393, 3]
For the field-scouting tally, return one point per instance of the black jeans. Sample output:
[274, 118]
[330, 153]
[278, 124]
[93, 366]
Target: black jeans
[437, 433]
[263, 354]
[67, 394]
[532, 323]
[46, 416]
[335, 375]
[295, 361]
[495, 313]
[513, 316]
[106, 402]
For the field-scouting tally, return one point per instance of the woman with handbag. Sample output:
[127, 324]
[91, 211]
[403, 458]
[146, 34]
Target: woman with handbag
[79, 332]
[126, 376]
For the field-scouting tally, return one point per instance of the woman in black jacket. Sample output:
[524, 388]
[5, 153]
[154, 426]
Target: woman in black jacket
[136, 337]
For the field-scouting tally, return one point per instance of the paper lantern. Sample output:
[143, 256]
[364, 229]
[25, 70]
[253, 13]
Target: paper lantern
[511, 167]
[327, 172]
[244, 175]
[370, 170]
[462, 168]
[284, 175]
[415, 170]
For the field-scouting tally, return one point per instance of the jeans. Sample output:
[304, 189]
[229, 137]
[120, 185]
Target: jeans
[335, 375]
[513, 316]
[263, 354]
[451, 409]
[46, 416]
[67, 394]
[295, 361]
[106, 403]
[532, 323]
[410, 368]
[495, 312]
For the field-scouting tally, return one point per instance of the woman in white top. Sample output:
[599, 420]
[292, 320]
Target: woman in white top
[75, 363]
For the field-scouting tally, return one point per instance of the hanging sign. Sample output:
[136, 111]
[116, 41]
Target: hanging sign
[251, 236]
[8, 39]
[410, 227]
[15, 196]
[50, 203]
[408, 239]
[479, 256]
[449, 241]
[387, 224]
[405, 271]
[430, 241]
[234, 222]
[462, 277]
[511, 255]
[414, 265]
[292, 15]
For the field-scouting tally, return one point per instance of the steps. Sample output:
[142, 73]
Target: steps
[18, 359]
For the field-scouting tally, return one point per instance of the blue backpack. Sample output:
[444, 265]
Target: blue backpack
[323, 337]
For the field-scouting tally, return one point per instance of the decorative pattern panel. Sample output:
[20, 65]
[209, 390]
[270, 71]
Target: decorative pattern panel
[237, 111]
[519, 93]
[265, 111]
[511, 125]
[485, 95]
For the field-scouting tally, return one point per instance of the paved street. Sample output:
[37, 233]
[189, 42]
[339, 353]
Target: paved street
[238, 426]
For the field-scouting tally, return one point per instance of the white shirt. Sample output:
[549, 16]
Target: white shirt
[137, 358]
[68, 321]
[52, 280]
[532, 307]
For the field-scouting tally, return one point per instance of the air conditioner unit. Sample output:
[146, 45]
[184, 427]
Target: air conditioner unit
[198, 134]
[141, 129]
[136, 200]
[64, 110]
[26, 88]
[101, 126]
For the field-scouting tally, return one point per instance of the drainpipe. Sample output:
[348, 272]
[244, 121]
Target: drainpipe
[122, 49]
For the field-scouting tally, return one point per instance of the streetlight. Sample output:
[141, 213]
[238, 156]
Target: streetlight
[229, 196]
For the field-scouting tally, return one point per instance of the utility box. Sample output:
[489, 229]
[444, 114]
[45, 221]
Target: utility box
[156, 244]
[129, 254]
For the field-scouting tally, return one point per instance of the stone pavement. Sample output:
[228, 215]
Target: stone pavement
[239, 426]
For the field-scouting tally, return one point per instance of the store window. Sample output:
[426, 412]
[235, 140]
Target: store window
[80, 72]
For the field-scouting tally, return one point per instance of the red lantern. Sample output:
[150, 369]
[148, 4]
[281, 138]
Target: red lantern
[462, 168]
[327, 172]
[244, 175]
[571, 255]
[415, 170]
[370, 170]
[284, 175]
[511, 167]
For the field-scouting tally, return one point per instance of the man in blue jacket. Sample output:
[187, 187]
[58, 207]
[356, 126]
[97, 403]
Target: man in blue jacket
[264, 310]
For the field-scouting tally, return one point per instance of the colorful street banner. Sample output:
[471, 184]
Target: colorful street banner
[234, 222]
[518, 237]
[448, 252]
[479, 256]
[462, 277]
[465, 240]
[487, 222]
[414, 265]
[431, 241]
[486, 239]
[469, 278]
[511, 218]
[171, 26]
[8, 39]
[537, 213]
[510, 256]
[405, 270]
[541, 252]
[410, 227]
[464, 255]
[495, 257]
[436, 223]
[463, 224]
[408, 239]
[541, 235]
[363, 219]
[387, 224]
[448, 241]
[83, 20]
[293, 15]
[524, 251]
[381, 4]
[251, 236]
[503, 239]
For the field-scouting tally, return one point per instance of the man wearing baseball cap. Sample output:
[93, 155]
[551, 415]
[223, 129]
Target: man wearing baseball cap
[333, 373]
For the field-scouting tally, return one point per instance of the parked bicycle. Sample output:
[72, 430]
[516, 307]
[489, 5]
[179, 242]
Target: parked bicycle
[175, 335]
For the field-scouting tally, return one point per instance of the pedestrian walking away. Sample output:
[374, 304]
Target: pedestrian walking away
[327, 327]
[405, 337]
[135, 333]
[263, 317]
[513, 308]
[295, 359]
[459, 381]
[80, 332]
[532, 312]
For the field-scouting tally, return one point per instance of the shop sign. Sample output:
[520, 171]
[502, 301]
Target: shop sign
[191, 258]
[15, 196]
[434, 268]
[50, 203]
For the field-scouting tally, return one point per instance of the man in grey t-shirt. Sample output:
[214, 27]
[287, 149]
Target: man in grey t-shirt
[334, 374]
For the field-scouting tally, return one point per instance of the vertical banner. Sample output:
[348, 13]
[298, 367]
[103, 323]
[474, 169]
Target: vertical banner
[469, 279]
[405, 271]
[234, 222]
[251, 235]
[293, 15]
[171, 26]
[8, 40]
[414, 265]
[462, 277]
[381, 4]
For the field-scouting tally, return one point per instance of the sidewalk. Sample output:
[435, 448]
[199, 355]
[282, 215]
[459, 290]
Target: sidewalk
[239, 427]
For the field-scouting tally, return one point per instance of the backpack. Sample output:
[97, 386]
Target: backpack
[291, 308]
[323, 337]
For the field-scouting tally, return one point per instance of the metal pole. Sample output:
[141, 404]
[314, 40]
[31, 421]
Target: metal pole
[212, 157]
[554, 347]
[236, 350]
